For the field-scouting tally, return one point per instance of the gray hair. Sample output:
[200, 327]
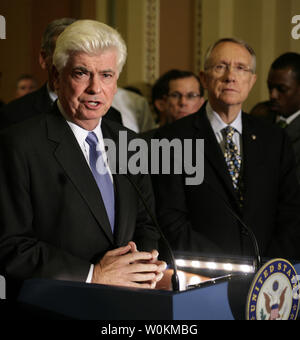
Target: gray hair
[235, 41]
[54, 29]
[90, 37]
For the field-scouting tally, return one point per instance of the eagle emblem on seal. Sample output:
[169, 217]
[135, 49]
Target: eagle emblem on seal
[274, 301]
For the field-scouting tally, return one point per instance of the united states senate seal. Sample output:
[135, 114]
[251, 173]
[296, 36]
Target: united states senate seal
[274, 292]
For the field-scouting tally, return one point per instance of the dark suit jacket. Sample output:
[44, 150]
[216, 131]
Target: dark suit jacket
[52, 217]
[293, 131]
[36, 103]
[195, 218]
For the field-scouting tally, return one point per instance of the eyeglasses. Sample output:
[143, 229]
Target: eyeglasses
[240, 70]
[189, 96]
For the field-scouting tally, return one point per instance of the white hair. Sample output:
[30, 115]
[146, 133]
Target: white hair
[90, 37]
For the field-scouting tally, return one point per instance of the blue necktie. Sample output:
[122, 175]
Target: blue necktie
[102, 177]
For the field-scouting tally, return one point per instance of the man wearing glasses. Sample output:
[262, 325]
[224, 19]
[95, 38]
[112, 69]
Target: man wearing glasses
[248, 167]
[177, 94]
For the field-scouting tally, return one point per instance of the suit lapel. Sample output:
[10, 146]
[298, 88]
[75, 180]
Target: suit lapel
[213, 154]
[293, 130]
[70, 157]
[252, 157]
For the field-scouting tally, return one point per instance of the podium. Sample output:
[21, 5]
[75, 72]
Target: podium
[96, 302]
[225, 300]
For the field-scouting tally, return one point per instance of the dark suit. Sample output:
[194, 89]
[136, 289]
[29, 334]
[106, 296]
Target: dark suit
[195, 218]
[53, 220]
[293, 131]
[36, 103]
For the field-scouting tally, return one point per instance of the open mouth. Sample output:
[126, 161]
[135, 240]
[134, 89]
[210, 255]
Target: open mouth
[92, 104]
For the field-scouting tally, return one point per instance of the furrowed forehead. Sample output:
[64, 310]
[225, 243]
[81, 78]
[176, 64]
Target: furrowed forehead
[232, 48]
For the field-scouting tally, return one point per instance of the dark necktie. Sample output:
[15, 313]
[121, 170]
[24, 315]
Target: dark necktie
[233, 160]
[102, 177]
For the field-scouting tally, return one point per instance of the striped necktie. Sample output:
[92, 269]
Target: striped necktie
[233, 160]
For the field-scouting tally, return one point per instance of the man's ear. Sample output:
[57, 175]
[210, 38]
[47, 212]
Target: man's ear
[202, 101]
[202, 76]
[160, 104]
[42, 59]
[253, 80]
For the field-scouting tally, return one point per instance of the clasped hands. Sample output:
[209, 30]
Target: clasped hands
[128, 267]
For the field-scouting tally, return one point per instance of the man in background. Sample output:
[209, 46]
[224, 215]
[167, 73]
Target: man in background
[177, 94]
[135, 110]
[284, 89]
[26, 83]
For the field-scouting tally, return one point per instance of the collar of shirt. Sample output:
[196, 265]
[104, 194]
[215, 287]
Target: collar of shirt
[52, 95]
[218, 125]
[290, 119]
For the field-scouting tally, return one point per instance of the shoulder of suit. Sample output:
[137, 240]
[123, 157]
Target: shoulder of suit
[115, 127]
[25, 130]
[261, 126]
[23, 102]
[295, 124]
[181, 128]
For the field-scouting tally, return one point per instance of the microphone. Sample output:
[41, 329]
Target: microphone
[175, 279]
[245, 229]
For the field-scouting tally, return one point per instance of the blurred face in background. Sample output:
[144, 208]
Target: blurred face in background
[284, 91]
[183, 99]
[25, 86]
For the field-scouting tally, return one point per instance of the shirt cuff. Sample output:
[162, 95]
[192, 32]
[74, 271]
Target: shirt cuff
[90, 275]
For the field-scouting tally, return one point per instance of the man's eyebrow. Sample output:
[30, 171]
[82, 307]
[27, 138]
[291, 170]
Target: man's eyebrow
[84, 69]
[107, 71]
[235, 62]
[81, 68]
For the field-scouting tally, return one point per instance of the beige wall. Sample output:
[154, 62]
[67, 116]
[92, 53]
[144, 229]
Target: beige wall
[176, 34]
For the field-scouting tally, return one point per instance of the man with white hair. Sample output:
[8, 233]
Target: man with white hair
[60, 217]
[249, 170]
[42, 100]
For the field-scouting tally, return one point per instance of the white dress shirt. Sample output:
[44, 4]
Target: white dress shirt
[290, 119]
[135, 111]
[52, 95]
[218, 125]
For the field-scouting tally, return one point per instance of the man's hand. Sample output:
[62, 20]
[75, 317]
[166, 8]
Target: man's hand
[161, 265]
[128, 267]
